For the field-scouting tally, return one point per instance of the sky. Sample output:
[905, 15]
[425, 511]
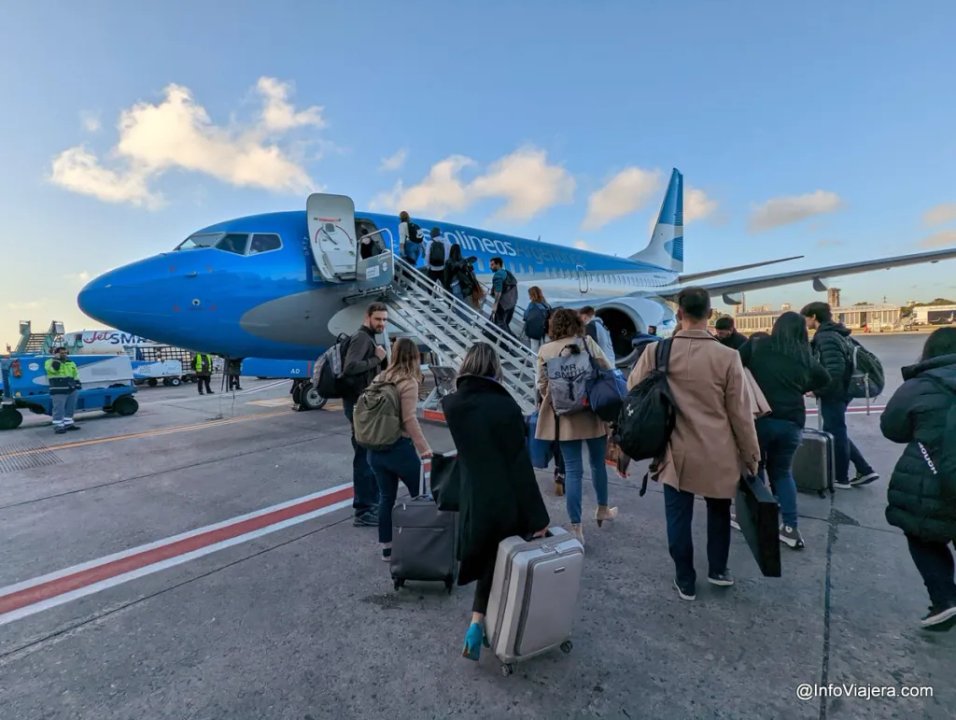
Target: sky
[819, 129]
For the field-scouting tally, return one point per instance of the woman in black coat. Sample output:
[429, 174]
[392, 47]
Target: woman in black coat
[499, 492]
[922, 491]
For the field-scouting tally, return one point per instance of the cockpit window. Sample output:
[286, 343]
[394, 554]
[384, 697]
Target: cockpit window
[264, 243]
[199, 240]
[234, 243]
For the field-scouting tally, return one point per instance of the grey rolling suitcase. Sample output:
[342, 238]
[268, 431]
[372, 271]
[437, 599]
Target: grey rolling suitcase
[533, 596]
[423, 542]
[813, 463]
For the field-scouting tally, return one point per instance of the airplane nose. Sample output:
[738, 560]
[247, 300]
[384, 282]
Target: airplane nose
[125, 298]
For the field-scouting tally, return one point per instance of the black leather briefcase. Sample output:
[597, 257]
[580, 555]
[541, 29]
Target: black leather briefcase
[758, 515]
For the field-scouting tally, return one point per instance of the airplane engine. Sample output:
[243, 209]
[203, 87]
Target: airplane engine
[625, 317]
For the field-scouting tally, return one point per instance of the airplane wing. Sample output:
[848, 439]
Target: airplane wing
[817, 275]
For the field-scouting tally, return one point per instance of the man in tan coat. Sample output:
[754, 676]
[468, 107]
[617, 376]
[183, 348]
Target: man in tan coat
[713, 442]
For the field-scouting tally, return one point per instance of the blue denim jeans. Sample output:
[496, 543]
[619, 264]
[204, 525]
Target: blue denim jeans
[779, 440]
[413, 251]
[572, 453]
[364, 485]
[833, 413]
[399, 462]
[679, 509]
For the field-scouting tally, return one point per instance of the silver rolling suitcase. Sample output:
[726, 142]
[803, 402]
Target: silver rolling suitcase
[813, 463]
[534, 595]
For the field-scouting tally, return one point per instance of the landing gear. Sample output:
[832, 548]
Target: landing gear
[10, 418]
[306, 397]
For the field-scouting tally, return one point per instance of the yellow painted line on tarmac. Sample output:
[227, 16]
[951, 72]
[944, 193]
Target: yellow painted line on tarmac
[145, 434]
[274, 402]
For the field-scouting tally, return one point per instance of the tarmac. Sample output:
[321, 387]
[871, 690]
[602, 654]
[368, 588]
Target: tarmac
[198, 560]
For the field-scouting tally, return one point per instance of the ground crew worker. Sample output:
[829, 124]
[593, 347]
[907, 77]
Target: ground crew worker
[202, 364]
[64, 382]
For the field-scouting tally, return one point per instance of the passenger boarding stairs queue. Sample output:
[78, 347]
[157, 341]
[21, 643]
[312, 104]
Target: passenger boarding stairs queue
[419, 307]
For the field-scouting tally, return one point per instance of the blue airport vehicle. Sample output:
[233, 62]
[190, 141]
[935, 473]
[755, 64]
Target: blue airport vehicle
[107, 385]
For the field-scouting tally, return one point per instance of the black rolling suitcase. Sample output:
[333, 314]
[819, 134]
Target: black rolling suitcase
[423, 541]
[813, 463]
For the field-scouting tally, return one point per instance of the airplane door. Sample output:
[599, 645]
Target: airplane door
[331, 221]
[583, 281]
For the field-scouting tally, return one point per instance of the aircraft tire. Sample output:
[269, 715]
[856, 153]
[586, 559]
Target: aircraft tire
[309, 398]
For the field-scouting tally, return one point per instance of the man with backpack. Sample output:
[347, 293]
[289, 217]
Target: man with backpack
[713, 436]
[595, 329]
[436, 252]
[504, 289]
[832, 345]
[363, 361]
[410, 238]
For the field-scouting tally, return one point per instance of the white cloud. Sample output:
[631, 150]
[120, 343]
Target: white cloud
[91, 121]
[82, 277]
[626, 192]
[524, 179]
[697, 205]
[527, 182]
[395, 162]
[177, 133]
[944, 238]
[581, 245]
[786, 210]
[940, 214]
[279, 114]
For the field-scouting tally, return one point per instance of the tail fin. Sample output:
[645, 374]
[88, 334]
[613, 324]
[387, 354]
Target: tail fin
[666, 248]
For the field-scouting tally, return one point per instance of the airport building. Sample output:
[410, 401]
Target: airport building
[871, 317]
[934, 314]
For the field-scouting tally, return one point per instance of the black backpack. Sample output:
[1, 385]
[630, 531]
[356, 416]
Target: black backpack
[414, 233]
[436, 253]
[536, 321]
[867, 379]
[509, 283]
[649, 412]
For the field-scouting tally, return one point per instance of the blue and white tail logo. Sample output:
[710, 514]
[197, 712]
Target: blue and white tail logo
[666, 248]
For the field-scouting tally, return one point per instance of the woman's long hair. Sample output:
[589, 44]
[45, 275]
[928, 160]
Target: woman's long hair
[406, 362]
[454, 255]
[940, 342]
[536, 295]
[481, 360]
[789, 337]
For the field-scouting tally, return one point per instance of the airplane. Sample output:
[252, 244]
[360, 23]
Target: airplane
[278, 285]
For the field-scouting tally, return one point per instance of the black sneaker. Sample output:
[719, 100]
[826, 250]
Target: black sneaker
[724, 579]
[368, 519]
[845, 485]
[940, 618]
[864, 478]
[72, 427]
[687, 593]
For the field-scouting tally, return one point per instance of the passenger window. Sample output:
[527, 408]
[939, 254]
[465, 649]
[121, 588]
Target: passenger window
[234, 243]
[264, 243]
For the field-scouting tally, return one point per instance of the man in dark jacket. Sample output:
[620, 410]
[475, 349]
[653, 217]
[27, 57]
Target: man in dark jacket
[727, 333]
[363, 361]
[832, 348]
[922, 492]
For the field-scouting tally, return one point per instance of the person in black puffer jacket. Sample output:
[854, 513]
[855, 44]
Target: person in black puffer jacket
[784, 369]
[922, 499]
[832, 348]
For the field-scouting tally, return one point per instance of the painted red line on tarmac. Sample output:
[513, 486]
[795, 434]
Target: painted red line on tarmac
[84, 578]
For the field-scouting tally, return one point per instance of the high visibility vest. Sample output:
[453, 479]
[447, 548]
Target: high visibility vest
[62, 375]
[203, 364]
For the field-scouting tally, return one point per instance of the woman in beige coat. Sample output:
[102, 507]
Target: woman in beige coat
[577, 429]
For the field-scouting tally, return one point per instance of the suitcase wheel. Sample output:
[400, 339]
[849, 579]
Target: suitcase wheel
[399, 583]
[449, 584]
[507, 669]
[567, 646]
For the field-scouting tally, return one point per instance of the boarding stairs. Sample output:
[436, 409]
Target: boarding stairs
[450, 327]
[32, 343]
